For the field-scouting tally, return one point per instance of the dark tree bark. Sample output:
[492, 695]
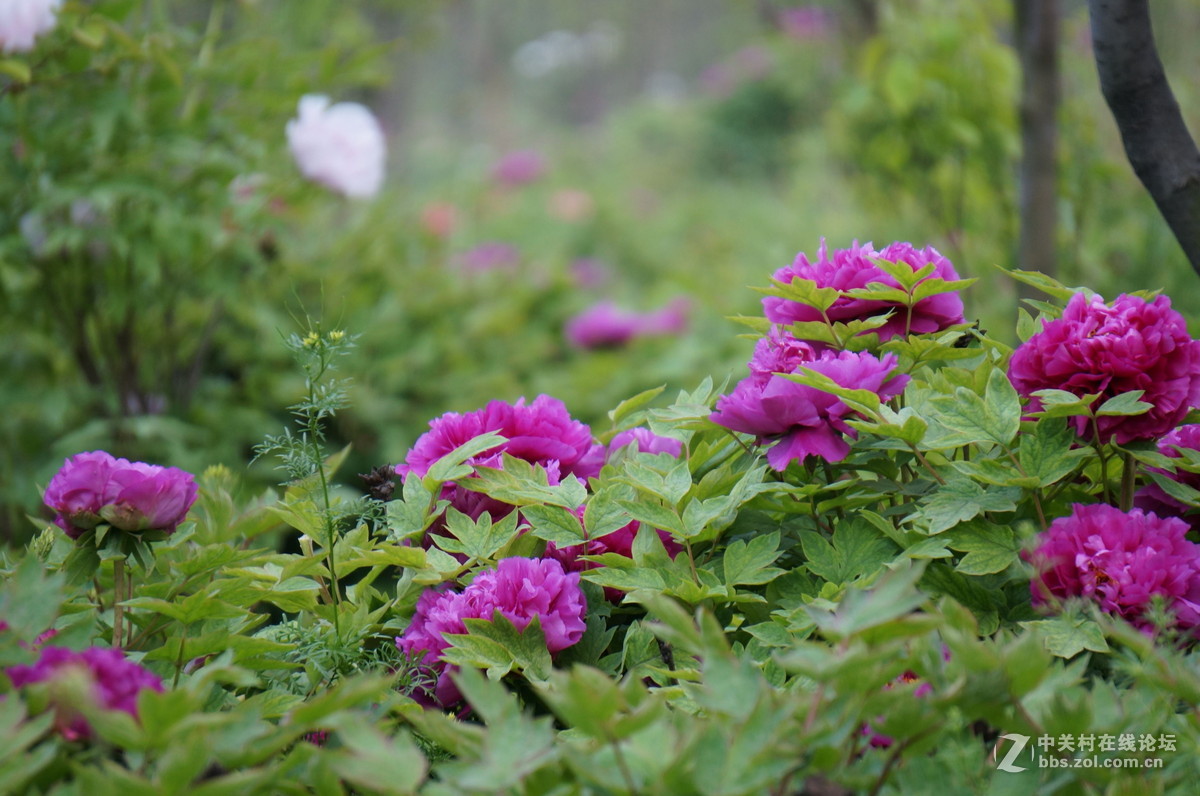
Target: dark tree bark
[1156, 138]
[1037, 43]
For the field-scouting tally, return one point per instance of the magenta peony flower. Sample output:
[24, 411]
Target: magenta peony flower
[340, 146]
[520, 589]
[1152, 497]
[853, 268]
[1094, 348]
[798, 420]
[542, 433]
[94, 487]
[646, 441]
[114, 682]
[605, 325]
[22, 21]
[519, 167]
[1119, 560]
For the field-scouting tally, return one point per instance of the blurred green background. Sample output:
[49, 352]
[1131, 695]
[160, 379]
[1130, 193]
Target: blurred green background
[157, 239]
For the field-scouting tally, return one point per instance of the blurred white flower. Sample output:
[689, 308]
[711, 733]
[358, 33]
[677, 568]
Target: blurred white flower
[22, 21]
[340, 146]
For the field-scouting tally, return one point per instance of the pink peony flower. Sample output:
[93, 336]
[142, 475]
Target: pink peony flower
[853, 268]
[94, 487]
[519, 167]
[797, 420]
[340, 146]
[490, 256]
[1120, 561]
[805, 22]
[1152, 497]
[589, 272]
[439, 219]
[22, 21]
[646, 441]
[1094, 348]
[114, 682]
[542, 433]
[605, 325]
[520, 589]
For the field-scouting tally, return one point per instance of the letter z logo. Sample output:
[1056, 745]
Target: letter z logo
[1018, 746]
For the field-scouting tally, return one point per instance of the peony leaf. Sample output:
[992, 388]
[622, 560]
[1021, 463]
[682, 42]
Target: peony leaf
[450, 467]
[750, 563]
[1126, 403]
[629, 406]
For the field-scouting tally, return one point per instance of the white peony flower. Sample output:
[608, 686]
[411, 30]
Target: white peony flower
[340, 146]
[22, 21]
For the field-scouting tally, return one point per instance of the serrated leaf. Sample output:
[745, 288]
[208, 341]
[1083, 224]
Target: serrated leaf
[958, 500]
[1067, 636]
[990, 548]
[554, 524]
[857, 550]
[750, 563]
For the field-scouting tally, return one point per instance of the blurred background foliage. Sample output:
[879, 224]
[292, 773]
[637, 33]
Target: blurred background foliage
[156, 239]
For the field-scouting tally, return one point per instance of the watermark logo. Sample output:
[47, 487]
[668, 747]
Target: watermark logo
[1084, 750]
[1008, 763]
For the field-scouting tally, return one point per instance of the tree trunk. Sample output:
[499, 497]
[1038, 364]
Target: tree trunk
[1157, 141]
[1037, 24]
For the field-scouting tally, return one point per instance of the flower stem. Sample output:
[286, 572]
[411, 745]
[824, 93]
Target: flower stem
[118, 598]
[1128, 481]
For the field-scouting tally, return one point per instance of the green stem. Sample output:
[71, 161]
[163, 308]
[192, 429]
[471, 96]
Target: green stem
[215, 17]
[118, 598]
[1128, 480]
[330, 542]
[622, 767]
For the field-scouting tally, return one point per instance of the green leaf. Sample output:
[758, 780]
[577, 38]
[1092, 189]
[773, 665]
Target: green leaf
[989, 547]
[994, 417]
[17, 70]
[804, 291]
[858, 550]
[450, 467]
[894, 595]
[655, 515]
[1126, 403]
[496, 645]
[554, 524]
[1180, 491]
[629, 406]
[1066, 636]
[374, 761]
[1044, 283]
[479, 539]
[1048, 454]
[604, 514]
[958, 500]
[750, 563]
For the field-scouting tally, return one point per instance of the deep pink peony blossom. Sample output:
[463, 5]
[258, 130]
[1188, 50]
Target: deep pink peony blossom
[1152, 497]
[646, 441]
[115, 682]
[22, 21]
[519, 167]
[605, 325]
[1094, 348]
[95, 487]
[520, 589]
[340, 146]
[1120, 561]
[853, 268]
[798, 420]
[542, 433]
